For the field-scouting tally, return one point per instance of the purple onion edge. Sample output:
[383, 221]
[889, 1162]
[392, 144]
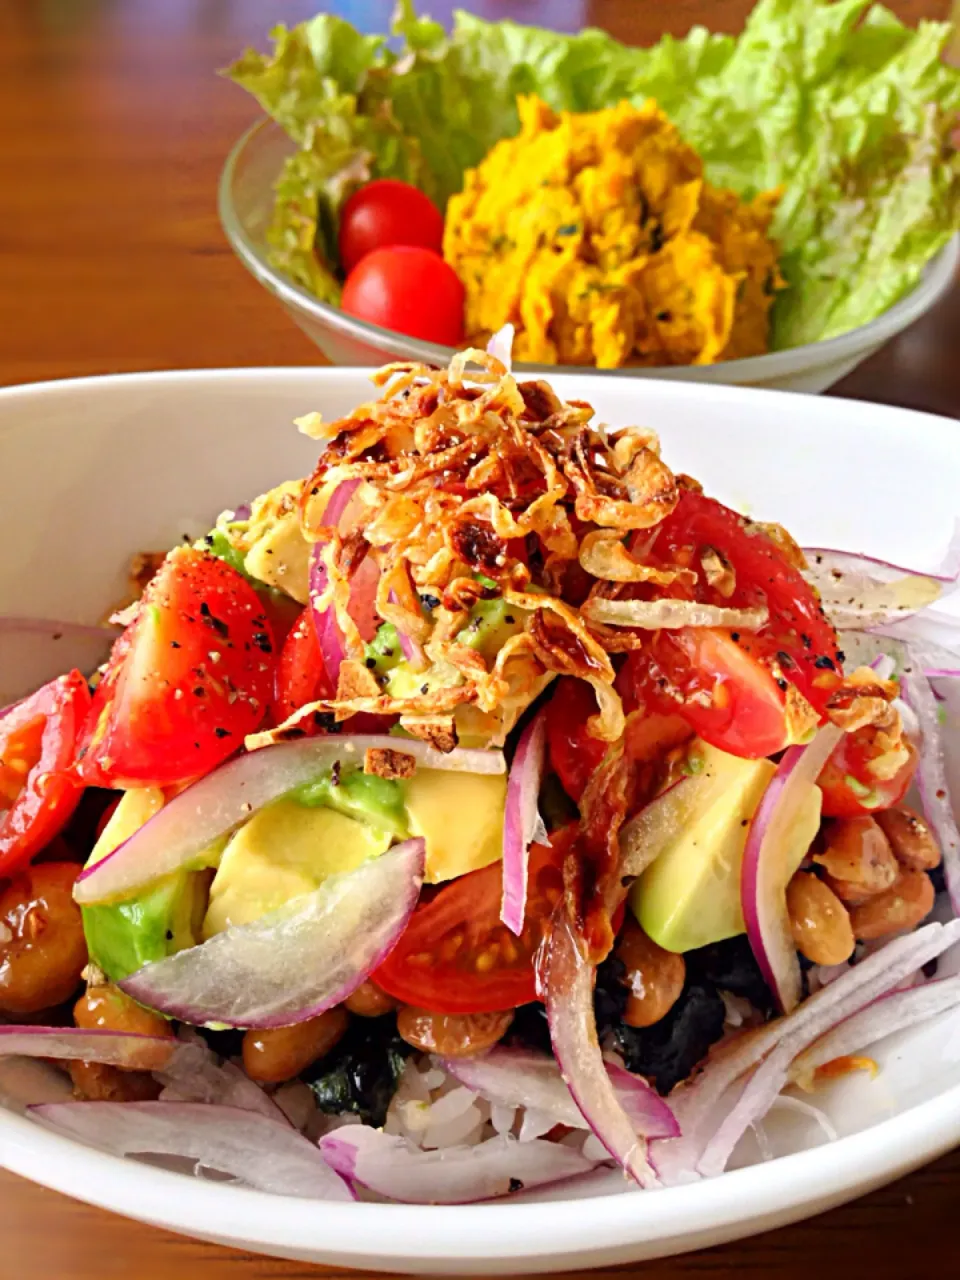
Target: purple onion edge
[138, 986]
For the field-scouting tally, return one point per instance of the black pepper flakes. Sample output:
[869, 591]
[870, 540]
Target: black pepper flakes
[262, 641]
[824, 663]
[222, 733]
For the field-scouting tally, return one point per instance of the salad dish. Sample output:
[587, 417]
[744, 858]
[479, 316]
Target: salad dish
[802, 176]
[485, 808]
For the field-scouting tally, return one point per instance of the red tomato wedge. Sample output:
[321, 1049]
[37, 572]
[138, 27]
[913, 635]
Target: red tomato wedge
[456, 957]
[574, 753]
[187, 680]
[850, 788]
[38, 789]
[301, 676]
[732, 686]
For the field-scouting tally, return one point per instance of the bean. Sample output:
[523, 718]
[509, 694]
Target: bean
[818, 920]
[902, 907]
[45, 950]
[107, 1008]
[370, 1001]
[454, 1035]
[858, 859]
[280, 1053]
[653, 976]
[912, 841]
[97, 1082]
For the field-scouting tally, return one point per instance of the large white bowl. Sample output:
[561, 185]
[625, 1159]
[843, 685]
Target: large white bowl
[246, 204]
[94, 469]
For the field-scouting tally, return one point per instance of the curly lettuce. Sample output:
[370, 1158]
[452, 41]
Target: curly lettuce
[844, 107]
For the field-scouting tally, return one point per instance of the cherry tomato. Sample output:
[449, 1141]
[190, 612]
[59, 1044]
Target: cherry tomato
[387, 212]
[301, 676]
[731, 686]
[190, 676]
[408, 289]
[850, 789]
[38, 790]
[456, 957]
[574, 753]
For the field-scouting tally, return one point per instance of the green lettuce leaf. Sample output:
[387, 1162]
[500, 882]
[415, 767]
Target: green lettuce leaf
[844, 107]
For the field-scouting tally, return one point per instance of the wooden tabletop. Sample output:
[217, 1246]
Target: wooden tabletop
[113, 128]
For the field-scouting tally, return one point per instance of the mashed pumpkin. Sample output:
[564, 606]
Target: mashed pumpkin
[596, 235]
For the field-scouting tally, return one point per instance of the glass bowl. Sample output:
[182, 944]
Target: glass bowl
[246, 203]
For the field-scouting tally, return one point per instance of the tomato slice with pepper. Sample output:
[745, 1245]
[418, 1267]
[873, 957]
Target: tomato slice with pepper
[850, 786]
[190, 676]
[301, 676]
[38, 790]
[455, 956]
[732, 686]
[574, 753]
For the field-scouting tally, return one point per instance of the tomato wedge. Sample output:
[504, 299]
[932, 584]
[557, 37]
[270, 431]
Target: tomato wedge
[190, 676]
[456, 957]
[574, 753]
[38, 790]
[301, 676]
[849, 785]
[732, 686]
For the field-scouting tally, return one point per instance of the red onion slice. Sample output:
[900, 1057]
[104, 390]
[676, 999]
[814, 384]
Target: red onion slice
[392, 1167]
[776, 1045]
[568, 982]
[522, 824]
[222, 801]
[259, 1152]
[893, 1012]
[932, 775]
[500, 346]
[123, 1049]
[297, 961]
[763, 879]
[521, 1078]
[859, 592]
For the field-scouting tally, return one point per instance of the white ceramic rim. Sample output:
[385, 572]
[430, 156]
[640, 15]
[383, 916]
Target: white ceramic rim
[936, 280]
[738, 1203]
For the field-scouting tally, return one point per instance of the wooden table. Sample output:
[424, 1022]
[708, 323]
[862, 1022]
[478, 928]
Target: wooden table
[113, 128]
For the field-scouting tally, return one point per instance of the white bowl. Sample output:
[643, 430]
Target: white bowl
[94, 469]
[246, 203]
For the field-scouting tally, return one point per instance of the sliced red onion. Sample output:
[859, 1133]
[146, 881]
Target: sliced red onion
[259, 1152]
[522, 824]
[123, 1049]
[568, 982]
[890, 1013]
[203, 1078]
[644, 837]
[860, 592]
[775, 1046]
[297, 961]
[522, 1078]
[222, 801]
[500, 346]
[363, 585]
[764, 877]
[932, 776]
[392, 1167]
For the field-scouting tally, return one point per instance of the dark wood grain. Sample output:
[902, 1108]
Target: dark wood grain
[113, 128]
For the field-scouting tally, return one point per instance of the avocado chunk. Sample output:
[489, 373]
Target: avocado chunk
[154, 923]
[460, 816]
[690, 895]
[380, 802]
[285, 850]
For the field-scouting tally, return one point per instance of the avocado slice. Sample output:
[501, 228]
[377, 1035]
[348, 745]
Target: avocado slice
[690, 896]
[158, 921]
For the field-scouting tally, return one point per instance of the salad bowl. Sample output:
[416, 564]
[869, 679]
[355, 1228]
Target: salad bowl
[94, 470]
